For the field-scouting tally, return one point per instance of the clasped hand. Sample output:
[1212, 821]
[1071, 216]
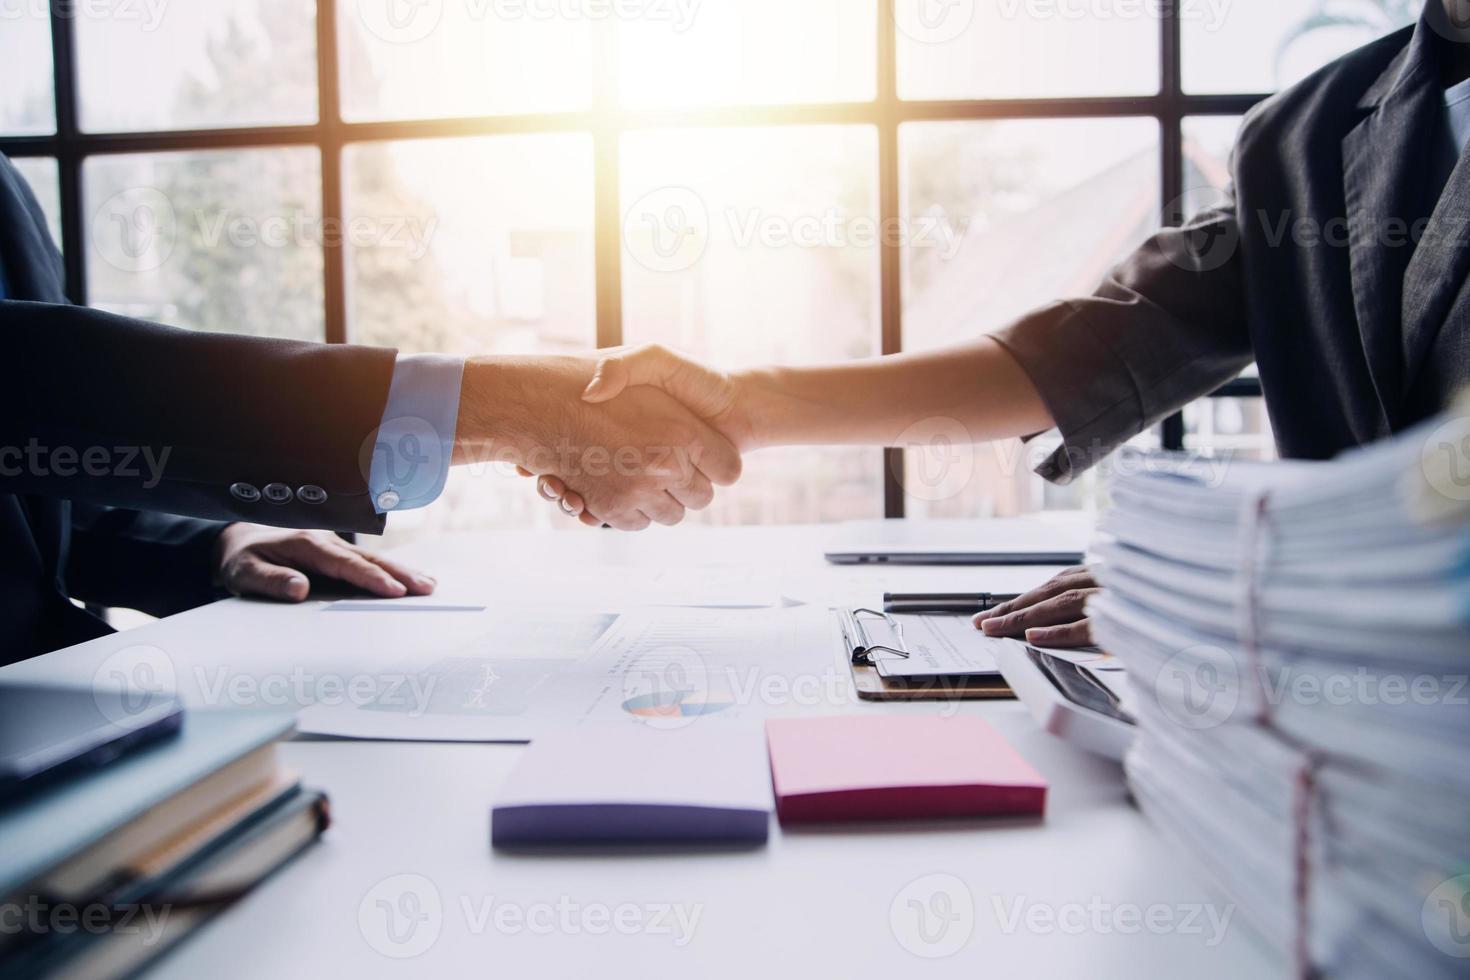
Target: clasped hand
[637, 457]
[628, 379]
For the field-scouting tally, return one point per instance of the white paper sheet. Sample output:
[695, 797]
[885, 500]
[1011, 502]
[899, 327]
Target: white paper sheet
[939, 646]
[670, 668]
[484, 691]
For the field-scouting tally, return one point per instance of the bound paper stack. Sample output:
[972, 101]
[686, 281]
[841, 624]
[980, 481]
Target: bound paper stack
[106, 872]
[1297, 637]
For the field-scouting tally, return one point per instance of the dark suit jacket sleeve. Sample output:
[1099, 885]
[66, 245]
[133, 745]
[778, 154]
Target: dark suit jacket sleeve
[1166, 327]
[155, 563]
[118, 412]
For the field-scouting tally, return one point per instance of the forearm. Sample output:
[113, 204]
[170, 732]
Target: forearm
[877, 401]
[504, 399]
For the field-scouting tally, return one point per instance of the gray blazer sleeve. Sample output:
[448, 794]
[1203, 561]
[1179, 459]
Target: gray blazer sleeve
[1167, 326]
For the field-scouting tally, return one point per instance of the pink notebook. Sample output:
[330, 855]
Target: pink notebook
[889, 767]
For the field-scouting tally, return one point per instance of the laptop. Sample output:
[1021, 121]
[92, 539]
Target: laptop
[1050, 539]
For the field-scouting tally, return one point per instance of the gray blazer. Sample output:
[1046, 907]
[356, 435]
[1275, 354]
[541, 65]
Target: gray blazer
[1334, 262]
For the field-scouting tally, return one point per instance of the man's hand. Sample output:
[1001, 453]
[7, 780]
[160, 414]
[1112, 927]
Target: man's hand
[261, 561]
[1049, 616]
[714, 396]
[642, 459]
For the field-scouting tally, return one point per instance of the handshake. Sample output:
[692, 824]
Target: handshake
[642, 435]
[638, 437]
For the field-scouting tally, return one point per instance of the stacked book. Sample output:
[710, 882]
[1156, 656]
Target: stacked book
[1297, 637]
[105, 872]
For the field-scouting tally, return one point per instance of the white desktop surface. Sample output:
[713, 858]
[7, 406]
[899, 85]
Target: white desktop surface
[1090, 891]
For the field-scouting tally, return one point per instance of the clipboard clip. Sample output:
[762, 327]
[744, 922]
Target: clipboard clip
[861, 646]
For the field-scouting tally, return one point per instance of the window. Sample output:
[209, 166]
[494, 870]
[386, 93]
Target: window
[225, 63]
[541, 176]
[404, 60]
[45, 180]
[749, 52]
[1262, 47]
[1233, 425]
[754, 245]
[196, 238]
[1023, 49]
[981, 201]
[471, 245]
[27, 98]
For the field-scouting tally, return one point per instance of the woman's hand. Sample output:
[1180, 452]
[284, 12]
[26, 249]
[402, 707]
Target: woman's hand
[715, 396]
[1050, 616]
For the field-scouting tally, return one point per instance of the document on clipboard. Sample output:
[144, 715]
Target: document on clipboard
[911, 656]
[941, 646]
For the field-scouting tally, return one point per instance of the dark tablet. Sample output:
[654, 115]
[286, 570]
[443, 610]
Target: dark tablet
[47, 733]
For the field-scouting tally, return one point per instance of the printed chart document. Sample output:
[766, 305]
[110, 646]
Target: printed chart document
[532, 670]
[671, 667]
[483, 691]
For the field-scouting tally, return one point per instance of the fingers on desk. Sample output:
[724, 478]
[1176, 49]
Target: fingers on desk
[1078, 634]
[330, 556]
[1059, 602]
[252, 575]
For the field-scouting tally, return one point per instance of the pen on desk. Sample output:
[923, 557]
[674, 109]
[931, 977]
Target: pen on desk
[943, 602]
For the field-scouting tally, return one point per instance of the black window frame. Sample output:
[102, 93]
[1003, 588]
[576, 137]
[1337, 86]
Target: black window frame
[606, 122]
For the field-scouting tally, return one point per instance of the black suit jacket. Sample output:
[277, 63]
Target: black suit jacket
[108, 426]
[1335, 262]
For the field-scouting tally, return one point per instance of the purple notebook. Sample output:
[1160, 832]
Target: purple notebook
[632, 783]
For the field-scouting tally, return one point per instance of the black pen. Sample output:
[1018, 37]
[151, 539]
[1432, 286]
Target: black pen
[943, 602]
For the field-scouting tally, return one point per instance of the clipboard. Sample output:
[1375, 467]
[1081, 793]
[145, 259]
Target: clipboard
[873, 686]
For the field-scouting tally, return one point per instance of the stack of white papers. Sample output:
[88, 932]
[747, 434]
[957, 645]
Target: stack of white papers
[1297, 637]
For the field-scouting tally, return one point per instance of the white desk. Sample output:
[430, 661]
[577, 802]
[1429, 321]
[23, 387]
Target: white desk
[1089, 892]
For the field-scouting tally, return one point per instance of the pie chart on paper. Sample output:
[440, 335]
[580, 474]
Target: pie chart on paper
[675, 704]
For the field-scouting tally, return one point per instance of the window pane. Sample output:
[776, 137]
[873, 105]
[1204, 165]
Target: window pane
[1025, 49]
[416, 60]
[1208, 141]
[1005, 217]
[754, 245]
[27, 103]
[1263, 47]
[221, 240]
[1237, 428]
[472, 245]
[45, 181]
[722, 52]
[198, 65]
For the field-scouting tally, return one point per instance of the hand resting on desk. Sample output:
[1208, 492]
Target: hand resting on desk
[251, 560]
[1051, 615]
